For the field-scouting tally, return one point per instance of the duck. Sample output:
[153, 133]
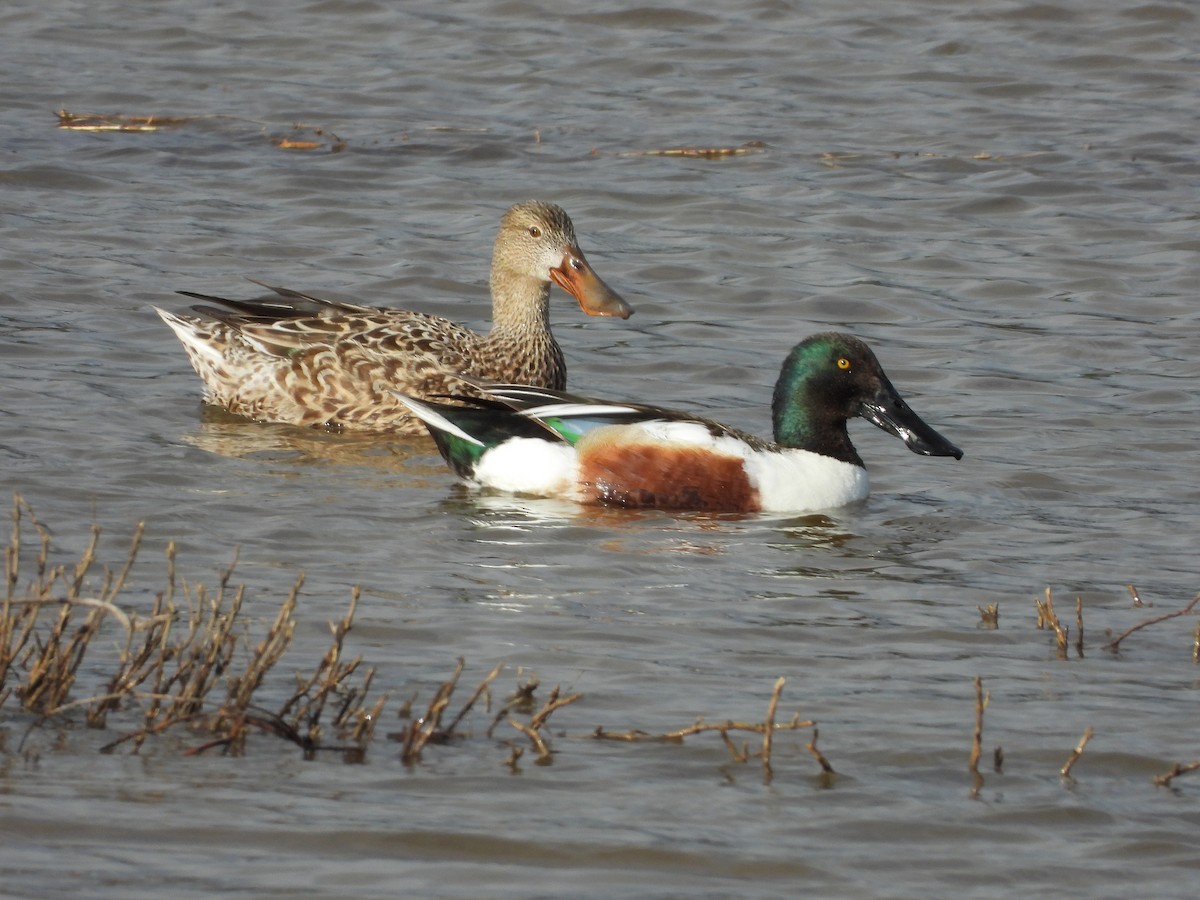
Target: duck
[294, 358]
[542, 442]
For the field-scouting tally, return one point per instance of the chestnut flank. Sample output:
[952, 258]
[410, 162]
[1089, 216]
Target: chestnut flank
[664, 477]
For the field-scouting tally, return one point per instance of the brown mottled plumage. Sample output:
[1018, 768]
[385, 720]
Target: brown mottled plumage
[294, 358]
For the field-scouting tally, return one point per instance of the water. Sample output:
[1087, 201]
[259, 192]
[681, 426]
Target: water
[999, 196]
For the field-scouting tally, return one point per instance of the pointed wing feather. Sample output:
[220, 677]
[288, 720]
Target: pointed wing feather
[572, 415]
[287, 322]
[464, 433]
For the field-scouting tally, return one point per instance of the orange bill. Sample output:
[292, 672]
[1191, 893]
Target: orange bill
[576, 277]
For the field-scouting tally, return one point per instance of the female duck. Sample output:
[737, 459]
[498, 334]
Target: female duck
[547, 443]
[307, 361]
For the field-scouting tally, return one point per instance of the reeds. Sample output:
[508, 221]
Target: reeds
[192, 665]
[1047, 619]
[191, 662]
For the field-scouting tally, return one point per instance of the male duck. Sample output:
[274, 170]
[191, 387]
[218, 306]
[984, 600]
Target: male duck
[546, 443]
[307, 361]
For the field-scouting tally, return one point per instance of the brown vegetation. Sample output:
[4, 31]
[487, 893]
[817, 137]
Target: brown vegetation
[188, 664]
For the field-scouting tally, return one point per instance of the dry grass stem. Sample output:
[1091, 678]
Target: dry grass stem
[1079, 627]
[1133, 593]
[769, 729]
[1115, 643]
[474, 698]
[535, 738]
[428, 728]
[811, 746]
[1047, 618]
[329, 683]
[555, 701]
[421, 730]
[1065, 771]
[989, 616]
[981, 703]
[268, 651]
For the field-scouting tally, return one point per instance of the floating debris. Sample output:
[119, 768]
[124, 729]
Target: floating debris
[701, 152]
[836, 159]
[310, 137]
[301, 136]
[99, 122]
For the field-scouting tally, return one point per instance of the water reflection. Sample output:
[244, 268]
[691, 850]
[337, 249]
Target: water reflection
[232, 436]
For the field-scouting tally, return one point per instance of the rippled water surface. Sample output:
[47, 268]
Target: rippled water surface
[1001, 197]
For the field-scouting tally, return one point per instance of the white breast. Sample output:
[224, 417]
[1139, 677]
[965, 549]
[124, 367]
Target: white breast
[801, 481]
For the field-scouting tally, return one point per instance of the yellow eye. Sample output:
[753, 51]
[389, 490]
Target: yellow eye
[843, 363]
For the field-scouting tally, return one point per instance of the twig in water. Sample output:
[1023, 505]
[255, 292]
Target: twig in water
[981, 703]
[1115, 643]
[522, 699]
[1165, 779]
[1048, 618]
[766, 729]
[1065, 771]
[811, 746]
[1079, 626]
[483, 686]
[534, 738]
[513, 756]
[769, 729]
[329, 680]
[553, 702]
[420, 731]
[534, 729]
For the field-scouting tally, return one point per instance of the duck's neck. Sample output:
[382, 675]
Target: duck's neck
[520, 347]
[520, 304]
[802, 423]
